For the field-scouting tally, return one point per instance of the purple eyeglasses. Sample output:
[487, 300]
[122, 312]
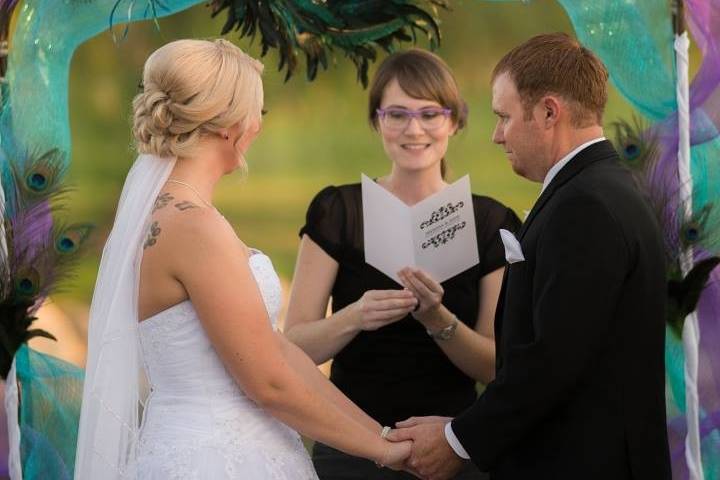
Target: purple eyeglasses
[398, 118]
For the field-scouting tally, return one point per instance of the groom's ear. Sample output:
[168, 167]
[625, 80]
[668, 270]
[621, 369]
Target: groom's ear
[552, 108]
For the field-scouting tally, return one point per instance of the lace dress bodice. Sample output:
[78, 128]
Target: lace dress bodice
[198, 423]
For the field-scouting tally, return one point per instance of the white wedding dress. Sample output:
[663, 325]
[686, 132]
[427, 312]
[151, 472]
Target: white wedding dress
[198, 423]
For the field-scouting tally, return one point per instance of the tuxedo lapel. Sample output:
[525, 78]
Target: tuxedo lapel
[588, 156]
[595, 152]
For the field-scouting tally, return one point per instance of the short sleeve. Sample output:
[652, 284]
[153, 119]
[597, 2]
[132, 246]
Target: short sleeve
[490, 219]
[325, 221]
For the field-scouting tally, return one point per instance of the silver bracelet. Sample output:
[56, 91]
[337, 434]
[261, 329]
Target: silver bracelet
[445, 333]
[383, 433]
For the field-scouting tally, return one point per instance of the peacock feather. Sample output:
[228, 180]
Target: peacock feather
[639, 148]
[313, 29]
[636, 143]
[684, 293]
[36, 252]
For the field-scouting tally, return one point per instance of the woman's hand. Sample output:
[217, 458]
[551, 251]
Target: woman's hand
[428, 292]
[396, 454]
[377, 308]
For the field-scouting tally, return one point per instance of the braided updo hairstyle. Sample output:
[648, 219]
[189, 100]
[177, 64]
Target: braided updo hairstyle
[193, 88]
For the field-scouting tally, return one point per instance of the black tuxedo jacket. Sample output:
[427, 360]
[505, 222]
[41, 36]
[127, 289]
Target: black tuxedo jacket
[579, 391]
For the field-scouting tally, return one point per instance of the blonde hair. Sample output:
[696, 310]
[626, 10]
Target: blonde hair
[193, 88]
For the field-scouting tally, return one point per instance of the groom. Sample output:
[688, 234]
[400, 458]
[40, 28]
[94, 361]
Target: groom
[579, 387]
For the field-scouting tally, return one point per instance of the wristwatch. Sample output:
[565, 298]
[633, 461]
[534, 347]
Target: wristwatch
[445, 333]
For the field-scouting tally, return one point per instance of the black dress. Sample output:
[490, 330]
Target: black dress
[398, 371]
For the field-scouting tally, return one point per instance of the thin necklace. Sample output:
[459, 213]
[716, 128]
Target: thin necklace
[210, 205]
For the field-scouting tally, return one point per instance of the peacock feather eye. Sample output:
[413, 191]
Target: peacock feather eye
[70, 239]
[36, 181]
[695, 229]
[27, 283]
[632, 151]
[692, 233]
[65, 244]
[40, 174]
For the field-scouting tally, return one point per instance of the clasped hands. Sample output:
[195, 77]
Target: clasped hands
[431, 457]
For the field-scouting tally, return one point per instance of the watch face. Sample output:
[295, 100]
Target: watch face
[445, 333]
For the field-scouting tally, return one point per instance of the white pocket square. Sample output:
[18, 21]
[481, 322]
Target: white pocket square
[513, 252]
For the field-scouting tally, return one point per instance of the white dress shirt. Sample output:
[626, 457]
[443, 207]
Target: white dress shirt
[449, 434]
[454, 442]
[564, 161]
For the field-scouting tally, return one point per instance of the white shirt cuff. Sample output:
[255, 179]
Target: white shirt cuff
[454, 442]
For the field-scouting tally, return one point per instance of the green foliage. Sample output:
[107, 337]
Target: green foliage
[314, 134]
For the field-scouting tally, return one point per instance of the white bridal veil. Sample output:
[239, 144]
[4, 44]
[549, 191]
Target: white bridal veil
[109, 420]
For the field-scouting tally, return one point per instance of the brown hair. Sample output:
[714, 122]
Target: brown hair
[557, 63]
[422, 75]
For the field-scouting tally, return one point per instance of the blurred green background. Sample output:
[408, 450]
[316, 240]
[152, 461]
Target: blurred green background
[315, 134]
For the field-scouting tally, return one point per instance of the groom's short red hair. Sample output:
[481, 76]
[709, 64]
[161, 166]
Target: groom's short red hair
[556, 63]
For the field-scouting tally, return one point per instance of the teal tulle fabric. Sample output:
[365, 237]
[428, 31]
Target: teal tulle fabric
[633, 37]
[634, 40]
[49, 414]
[34, 116]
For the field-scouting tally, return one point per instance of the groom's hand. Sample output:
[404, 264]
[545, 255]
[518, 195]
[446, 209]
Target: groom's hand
[431, 457]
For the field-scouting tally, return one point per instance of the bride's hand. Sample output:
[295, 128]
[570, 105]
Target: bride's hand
[396, 453]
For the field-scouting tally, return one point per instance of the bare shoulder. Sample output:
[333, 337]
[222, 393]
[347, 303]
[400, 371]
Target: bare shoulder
[179, 223]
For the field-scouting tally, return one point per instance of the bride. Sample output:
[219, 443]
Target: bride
[182, 303]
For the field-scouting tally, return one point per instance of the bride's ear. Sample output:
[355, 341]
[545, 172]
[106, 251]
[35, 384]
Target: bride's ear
[224, 133]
